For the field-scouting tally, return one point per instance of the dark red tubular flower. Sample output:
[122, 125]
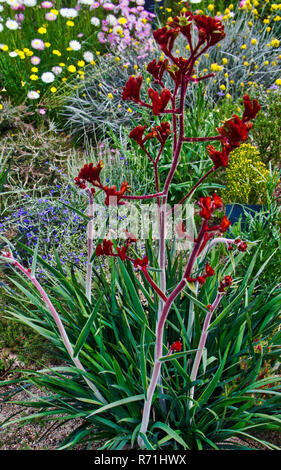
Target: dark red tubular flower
[225, 224]
[105, 248]
[209, 271]
[226, 282]
[157, 69]
[131, 90]
[137, 134]
[219, 158]
[89, 173]
[209, 29]
[113, 197]
[163, 132]
[206, 207]
[242, 246]
[141, 262]
[176, 346]
[166, 37]
[183, 24]
[250, 109]
[233, 131]
[159, 102]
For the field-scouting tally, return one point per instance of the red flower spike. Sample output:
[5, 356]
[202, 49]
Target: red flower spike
[89, 173]
[183, 24]
[114, 194]
[209, 271]
[131, 90]
[122, 252]
[209, 29]
[233, 131]
[226, 282]
[250, 109]
[137, 134]
[142, 263]
[157, 69]
[166, 37]
[176, 346]
[159, 102]
[217, 201]
[242, 246]
[219, 159]
[225, 224]
[105, 248]
[206, 204]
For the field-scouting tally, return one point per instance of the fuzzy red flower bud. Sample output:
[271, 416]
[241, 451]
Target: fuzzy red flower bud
[157, 69]
[112, 195]
[226, 282]
[159, 102]
[137, 134]
[210, 29]
[233, 131]
[105, 248]
[141, 262]
[176, 346]
[131, 90]
[166, 37]
[89, 173]
[250, 109]
[219, 158]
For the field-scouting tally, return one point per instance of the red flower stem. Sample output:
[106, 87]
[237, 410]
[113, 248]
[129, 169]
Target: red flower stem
[59, 325]
[90, 246]
[153, 285]
[202, 343]
[160, 331]
[145, 196]
[202, 139]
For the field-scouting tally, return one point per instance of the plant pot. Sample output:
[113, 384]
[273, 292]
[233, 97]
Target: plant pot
[150, 5]
[235, 212]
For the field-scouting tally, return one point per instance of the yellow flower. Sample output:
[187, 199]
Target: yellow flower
[129, 110]
[70, 23]
[1, 106]
[62, 64]
[110, 96]
[275, 43]
[56, 52]
[33, 77]
[53, 10]
[228, 96]
[278, 82]
[224, 60]
[47, 44]
[34, 69]
[243, 47]
[246, 64]
[64, 79]
[254, 41]
[71, 68]
[122, 20]
[216, 68]
[5, 47]
[42, 30]
[242, 84]
[53, 89]
[81, 63]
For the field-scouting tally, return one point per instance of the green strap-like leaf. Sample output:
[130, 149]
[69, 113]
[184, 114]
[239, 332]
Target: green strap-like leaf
[86, 329]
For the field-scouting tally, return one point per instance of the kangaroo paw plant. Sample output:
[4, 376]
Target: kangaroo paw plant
[167, 105]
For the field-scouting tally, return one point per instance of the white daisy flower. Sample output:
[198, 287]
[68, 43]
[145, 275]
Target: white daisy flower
[75, 45]
[88, 56]
[111, 19]
[12, 24]
[33, 95]
[57, 70]
[29, 3]
[68, 12]
[47, 77]
[13, 54]
[95, 21]
[86, 2]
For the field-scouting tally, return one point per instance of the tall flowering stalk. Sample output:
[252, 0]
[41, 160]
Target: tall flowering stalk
[201, 33]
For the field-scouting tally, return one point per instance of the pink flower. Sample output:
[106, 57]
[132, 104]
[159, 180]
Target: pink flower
[108, 6]
[35, 60]
[46, 4]
[38, 44]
